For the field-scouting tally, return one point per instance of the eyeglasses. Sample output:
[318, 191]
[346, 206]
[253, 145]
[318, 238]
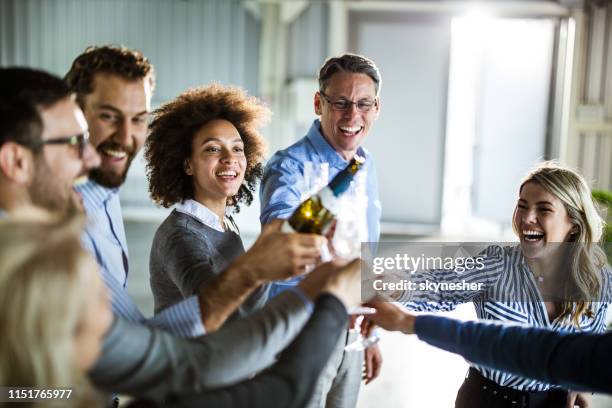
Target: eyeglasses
[80, 141]
[363, 105]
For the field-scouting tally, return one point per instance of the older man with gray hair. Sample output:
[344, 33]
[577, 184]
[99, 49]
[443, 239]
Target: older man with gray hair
[348, 104]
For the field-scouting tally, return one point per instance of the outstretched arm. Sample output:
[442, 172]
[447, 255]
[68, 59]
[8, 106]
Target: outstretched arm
[575, 361]
[139, 360]
[290, 382]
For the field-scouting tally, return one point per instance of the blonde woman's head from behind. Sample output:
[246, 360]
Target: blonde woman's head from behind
[54, 309]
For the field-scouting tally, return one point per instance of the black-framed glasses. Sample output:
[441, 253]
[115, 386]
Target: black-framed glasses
[80, 141]
[363, 105]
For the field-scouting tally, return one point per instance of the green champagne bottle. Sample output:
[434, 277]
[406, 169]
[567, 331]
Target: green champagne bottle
[316, 213]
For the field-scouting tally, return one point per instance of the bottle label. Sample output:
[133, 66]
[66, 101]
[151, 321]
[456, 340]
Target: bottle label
[329, 200]
[326, 255]
[287, 228]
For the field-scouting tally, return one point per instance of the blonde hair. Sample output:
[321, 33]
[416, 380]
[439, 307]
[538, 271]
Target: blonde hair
[587, 259]
[43, 292]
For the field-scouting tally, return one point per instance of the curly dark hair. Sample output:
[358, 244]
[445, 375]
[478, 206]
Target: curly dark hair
[174, 126]
[109, 59]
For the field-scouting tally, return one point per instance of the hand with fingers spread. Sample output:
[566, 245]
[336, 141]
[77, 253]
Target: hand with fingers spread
[277, 255]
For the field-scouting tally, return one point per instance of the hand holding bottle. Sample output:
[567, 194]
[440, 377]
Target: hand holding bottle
[276, 255]
[317, 213]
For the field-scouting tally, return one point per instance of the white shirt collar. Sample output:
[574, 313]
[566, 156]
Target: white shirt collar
[204, 214]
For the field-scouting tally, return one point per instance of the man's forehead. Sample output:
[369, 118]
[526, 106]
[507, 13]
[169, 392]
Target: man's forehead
[129, 96]
[351, 81]
[63, 118]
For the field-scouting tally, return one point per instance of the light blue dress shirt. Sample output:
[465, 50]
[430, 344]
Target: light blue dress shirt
[105, 238]
[280, 187]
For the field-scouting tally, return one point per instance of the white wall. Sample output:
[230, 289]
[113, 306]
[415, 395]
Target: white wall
[407, 141]
[512, 111]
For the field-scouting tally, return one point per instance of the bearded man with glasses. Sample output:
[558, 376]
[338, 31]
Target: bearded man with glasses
[348, 104]
[44, 147]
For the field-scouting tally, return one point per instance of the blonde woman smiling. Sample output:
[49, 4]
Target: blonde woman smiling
[556, 279]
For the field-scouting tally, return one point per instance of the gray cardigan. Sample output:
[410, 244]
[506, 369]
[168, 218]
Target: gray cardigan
[187, 253]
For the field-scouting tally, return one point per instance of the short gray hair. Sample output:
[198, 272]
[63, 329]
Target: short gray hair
[352, 63]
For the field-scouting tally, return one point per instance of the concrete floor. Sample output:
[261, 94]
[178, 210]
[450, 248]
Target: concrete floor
[414, 374]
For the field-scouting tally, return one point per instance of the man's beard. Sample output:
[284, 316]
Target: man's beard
[47, 194]
[108, 178]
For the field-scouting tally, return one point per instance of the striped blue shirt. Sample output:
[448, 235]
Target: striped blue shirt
[105, 238]
[506, 275]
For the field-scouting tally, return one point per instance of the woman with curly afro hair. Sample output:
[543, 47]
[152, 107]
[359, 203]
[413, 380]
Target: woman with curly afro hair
[204, 154]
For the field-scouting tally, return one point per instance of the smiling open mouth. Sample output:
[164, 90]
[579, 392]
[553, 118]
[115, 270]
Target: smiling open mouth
[533, 236]
[115, 154]
[350, 131]
[227, 174]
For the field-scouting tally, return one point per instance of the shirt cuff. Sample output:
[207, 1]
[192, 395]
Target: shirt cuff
[183, 319]
[309, 304]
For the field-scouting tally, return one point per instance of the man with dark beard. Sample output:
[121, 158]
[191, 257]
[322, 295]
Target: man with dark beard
[113, 87]
[44, 145]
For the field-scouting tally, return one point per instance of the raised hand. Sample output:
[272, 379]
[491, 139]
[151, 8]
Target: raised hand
[338, 278]
[276, 255]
